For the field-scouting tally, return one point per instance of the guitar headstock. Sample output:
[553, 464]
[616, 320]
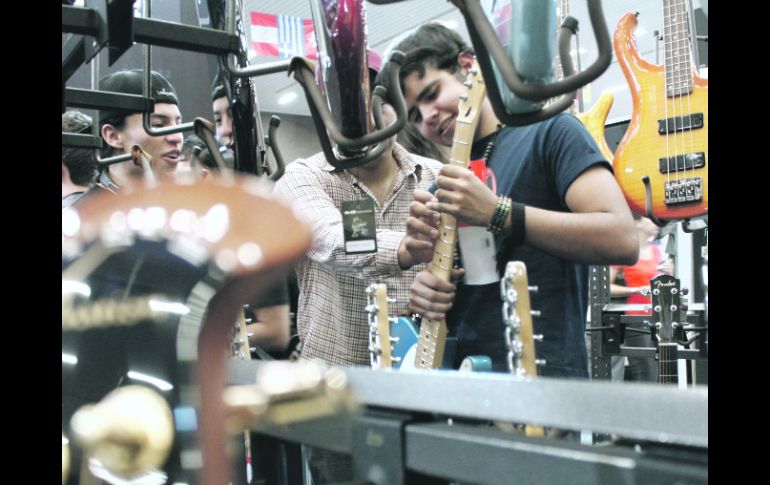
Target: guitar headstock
[667, 308]
[517, 312]
[472, 98]
[380, 351]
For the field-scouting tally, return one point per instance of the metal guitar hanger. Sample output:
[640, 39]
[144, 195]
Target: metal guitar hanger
[327, 127]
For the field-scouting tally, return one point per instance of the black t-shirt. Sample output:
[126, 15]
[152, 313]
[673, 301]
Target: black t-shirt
[534, 165]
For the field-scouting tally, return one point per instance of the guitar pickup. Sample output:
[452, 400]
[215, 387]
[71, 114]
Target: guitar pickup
[680, 123]
[683, 191]
[679, 163]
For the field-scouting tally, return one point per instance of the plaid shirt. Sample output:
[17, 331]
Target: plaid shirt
[331, 316]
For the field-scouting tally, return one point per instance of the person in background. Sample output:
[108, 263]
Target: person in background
[636, 291]
[78, 169]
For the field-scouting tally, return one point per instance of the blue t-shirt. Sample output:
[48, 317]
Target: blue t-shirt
[534, 165]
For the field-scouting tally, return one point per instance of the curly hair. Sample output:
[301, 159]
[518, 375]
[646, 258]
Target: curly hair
[79, 161]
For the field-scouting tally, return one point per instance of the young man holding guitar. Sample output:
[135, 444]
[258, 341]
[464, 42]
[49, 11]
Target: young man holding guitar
[556, 207]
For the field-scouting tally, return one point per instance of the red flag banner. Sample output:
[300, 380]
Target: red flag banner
[282, 36]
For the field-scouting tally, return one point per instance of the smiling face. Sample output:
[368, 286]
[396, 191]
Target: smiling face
[432, 102]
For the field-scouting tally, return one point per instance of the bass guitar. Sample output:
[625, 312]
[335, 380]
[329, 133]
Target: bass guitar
[663, 155]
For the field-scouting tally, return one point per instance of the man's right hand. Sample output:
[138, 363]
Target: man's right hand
[421, 232]
[430, 296]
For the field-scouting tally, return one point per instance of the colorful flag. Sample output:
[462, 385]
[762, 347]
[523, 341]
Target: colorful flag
[282, 36]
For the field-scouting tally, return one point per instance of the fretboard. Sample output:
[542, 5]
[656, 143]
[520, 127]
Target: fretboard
[676, 39]
[667, 363]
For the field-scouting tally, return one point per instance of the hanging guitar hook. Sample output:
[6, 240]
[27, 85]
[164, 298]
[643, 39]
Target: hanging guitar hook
[487, 44]
[326, 125]
[270, 141]
[648, 202]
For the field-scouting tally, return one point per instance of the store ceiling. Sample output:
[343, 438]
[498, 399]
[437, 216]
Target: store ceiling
[386, 22]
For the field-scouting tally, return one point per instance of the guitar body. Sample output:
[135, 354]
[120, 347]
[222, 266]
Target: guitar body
[594, 121]
[642, 147]
[149, 298]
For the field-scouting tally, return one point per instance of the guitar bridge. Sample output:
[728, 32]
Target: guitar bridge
[683, 191]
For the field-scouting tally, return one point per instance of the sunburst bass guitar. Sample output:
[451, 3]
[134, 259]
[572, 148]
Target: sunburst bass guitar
[665, 149]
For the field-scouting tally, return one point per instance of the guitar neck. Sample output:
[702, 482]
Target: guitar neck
[676, 39]
[430, 346]
[667, 363]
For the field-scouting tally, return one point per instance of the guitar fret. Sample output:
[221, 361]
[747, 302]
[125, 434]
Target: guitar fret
[460, 142]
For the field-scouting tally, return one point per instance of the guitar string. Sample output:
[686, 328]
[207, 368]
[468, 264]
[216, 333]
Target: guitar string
[681, 38]
[666, 55]
[691, 44]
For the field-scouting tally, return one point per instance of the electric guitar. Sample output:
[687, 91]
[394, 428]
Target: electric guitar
[389, 338]
[429, 352]
[242, 350]
[666, 143]
[594, 121]
[519, 337]
[402, 334]
[668, 327]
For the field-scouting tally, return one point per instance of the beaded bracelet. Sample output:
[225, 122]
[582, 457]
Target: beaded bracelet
[501, 212]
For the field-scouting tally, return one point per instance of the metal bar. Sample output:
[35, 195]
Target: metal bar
[80, 141]
[86, 98]
[439, 449]
[161, 33]
[184, 37]
[73, 55]
[596, 406]
[78, 20]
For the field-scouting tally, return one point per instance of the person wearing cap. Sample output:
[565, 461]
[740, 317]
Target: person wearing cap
[121, 129]
[78, 169]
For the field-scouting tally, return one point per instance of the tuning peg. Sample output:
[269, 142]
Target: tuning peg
[533, 289]
[371, 308]
[65, 458]
[464, 97]
[468, 84]
[130, 431]
[538, 337]
[248, 321]
[539, 361]
[249, 334]
[392, 319]
[535, 313]
[395, 340]
[392, 300]
[685, 306]
[246, 306]
[685, 291]
[252, 349]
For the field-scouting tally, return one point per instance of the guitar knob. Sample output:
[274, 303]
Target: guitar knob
[130, 431]
[65, 458]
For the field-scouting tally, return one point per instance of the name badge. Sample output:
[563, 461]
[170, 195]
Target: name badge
[477, 248]
[360, 229]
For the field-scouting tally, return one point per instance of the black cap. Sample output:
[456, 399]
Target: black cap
[218, 87]
[131, 82]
